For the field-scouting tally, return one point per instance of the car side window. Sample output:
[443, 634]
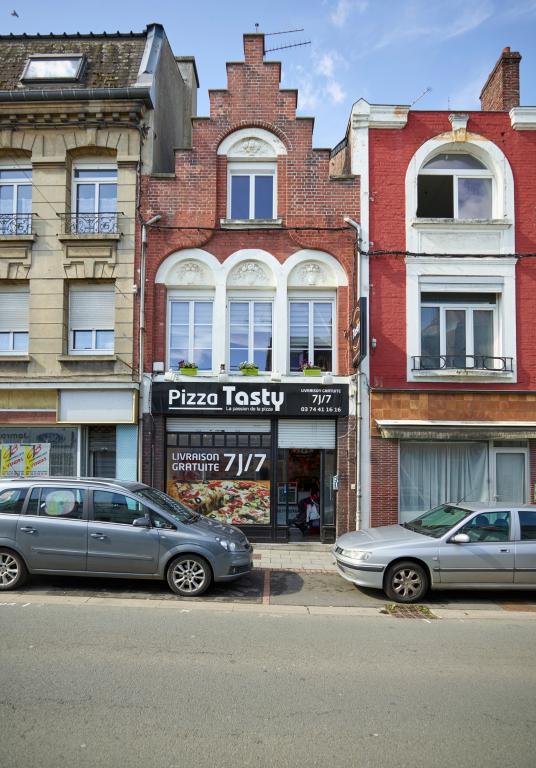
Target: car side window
[527, 522]
[11, 501]
[57, 502]
[112, 507]
[160, 522]
[488, 526]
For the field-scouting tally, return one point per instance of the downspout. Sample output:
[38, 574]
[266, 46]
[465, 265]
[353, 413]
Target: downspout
[141, 340]
[357, 287]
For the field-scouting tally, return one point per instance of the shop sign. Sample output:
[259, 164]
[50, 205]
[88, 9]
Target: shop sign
[236, 399]
[358, 333]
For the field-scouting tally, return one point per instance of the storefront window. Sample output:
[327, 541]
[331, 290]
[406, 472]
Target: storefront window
[222, 481]
[38, 451]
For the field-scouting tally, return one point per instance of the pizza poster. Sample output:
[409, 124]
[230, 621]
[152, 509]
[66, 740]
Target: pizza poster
[225, 484]
[24, 459]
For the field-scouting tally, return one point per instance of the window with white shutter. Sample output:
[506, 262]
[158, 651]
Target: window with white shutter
[91, 319]
[14, 320]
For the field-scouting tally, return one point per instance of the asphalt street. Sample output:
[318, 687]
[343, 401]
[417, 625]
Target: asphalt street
[177, 684]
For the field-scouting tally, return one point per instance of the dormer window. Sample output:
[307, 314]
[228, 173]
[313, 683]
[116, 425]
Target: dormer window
[454, 186]
[51, 68]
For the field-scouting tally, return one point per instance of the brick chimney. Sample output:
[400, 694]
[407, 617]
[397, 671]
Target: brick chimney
[254, 48]
[501, 91]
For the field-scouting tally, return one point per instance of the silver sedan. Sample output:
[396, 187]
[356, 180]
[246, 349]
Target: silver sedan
[453, 546]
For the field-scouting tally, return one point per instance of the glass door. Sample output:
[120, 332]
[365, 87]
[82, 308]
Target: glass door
[510, 470]
[299, 496]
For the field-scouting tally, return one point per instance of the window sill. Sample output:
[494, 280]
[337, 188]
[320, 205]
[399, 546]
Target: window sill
[460, 373]
[87, 358]
[461, 223]
[15, 358]
[18, 238]
[92, 237]
[250, 223]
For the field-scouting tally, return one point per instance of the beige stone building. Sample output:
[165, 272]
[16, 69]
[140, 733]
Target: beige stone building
[81, 118]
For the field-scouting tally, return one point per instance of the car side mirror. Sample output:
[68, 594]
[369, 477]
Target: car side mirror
[460, 538]
[142, 522]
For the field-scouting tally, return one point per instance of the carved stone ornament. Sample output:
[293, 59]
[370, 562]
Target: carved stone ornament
[190, 273]
[251, 147]
[249, 273]
[311, 273]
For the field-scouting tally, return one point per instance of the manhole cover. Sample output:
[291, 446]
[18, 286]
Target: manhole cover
[408, 611]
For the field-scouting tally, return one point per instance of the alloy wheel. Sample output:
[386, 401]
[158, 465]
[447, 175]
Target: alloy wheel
[189, 576]
[9, 570]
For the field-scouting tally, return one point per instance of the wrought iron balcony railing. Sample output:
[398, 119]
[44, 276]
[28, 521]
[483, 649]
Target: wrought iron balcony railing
[462, 362]
[90, 223]
[15, 224]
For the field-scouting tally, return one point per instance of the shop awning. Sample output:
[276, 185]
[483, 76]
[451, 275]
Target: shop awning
[456, 430]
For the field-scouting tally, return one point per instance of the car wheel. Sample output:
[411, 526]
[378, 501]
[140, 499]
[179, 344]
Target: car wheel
[13, 572]
[189, 575]
[406, 582]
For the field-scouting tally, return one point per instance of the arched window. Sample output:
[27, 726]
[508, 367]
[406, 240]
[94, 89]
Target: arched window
[454, 186]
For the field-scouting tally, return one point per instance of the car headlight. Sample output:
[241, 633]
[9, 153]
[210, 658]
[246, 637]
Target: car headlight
[230, 546]
[356, 554]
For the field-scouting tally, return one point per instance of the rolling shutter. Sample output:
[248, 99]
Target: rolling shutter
[14, 314]
[306, 433]
[92, 308]
[218, 425]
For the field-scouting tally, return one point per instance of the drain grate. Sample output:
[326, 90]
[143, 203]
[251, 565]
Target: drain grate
[408, 611]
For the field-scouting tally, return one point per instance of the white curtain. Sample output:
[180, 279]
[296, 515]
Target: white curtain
[433, 473]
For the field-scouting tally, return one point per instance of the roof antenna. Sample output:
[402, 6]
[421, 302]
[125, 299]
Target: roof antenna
[290, 45]
[426, 91]
[256, 27]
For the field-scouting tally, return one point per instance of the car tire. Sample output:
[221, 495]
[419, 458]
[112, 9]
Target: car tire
[406, 582]
[189, 575]
[13, 571]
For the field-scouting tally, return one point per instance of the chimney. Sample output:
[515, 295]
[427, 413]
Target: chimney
[501, 91]
[254, 47]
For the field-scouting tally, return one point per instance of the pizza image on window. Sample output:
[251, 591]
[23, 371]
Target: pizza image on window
[239, 502]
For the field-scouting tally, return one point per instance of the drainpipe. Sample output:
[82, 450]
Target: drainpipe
[357, 377]
[141, 340]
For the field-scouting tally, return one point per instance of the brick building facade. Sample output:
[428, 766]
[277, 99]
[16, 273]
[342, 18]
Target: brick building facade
[252, 261]
[450, 236]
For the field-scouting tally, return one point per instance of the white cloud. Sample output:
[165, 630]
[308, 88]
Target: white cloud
[326, 65]
[343, 9]
[335, 91]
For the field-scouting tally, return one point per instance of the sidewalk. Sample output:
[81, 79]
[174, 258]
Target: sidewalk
[294, 557]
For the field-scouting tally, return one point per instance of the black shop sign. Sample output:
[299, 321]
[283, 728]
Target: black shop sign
[236, 399]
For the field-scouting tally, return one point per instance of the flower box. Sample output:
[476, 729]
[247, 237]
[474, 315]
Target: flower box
[249, 371]
[312, 371]
[188, 371]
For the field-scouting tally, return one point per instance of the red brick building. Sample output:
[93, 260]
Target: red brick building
[252, 261]
[449, 227]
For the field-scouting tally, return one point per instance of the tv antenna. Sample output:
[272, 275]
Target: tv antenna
[423, 94]
[284, 32]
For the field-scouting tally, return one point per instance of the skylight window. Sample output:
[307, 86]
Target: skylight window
[49, 68]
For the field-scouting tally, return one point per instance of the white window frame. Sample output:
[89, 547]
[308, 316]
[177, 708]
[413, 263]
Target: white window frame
[471, 273]
[16, 184]
[251, 301]
[469, 308]
[14, 290]
[457, 174]
[54, 57]
[97, 183]
[321, 298]
[251, 169]
[493, 451]
[94, 328]
[190, 299]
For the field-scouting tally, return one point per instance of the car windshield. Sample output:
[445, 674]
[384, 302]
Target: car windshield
[169, 505]
[438, 521]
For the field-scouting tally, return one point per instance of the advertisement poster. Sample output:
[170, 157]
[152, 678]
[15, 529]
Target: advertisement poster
[228, 485]
[24, 460]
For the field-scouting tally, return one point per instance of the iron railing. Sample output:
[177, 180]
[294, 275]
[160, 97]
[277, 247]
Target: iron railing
[90, 223]
[15, 224]
[462, 362]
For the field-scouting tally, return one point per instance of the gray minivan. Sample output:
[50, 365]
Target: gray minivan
[94, 527]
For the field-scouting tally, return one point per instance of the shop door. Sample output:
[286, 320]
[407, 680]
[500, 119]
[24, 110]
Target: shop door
[299, 503]
[510, 472]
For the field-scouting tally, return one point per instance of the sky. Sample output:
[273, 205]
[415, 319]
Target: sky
[435, 54]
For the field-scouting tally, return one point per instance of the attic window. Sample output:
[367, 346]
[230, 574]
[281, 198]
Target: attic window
[52, 68]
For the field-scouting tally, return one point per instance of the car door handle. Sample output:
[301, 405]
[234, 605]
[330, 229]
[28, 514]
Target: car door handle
[27, 529]
[100, 536]
[504, 550]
